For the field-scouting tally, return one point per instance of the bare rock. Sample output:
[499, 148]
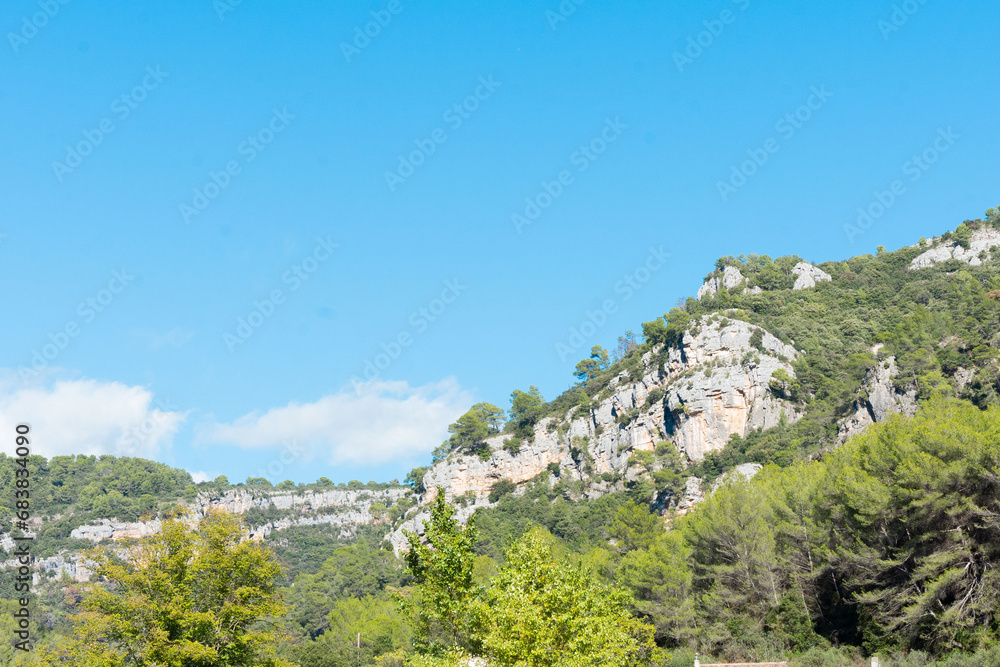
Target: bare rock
[731, 278]
[808, 275]
[982, 241]
[883, 399]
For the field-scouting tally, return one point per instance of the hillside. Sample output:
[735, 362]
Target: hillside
[775, 361]
[778, 366]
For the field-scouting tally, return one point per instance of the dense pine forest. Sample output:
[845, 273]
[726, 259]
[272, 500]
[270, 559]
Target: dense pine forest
[842, 546]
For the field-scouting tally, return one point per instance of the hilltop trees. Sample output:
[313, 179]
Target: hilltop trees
[526, 408]
[668, 330]
[469, 432]
[590, 367]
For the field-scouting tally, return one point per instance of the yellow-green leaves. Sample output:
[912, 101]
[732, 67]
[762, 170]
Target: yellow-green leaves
[182, 597]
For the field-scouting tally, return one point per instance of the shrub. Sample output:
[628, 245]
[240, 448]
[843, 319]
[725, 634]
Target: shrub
[501, 489]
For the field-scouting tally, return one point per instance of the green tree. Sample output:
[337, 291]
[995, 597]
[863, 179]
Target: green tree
[590, 367]
[440, 608]
[635, 527]
[668, 330]
[541, 611]
[183, 597]
[379, 623]
[469, 432]
[526, 408]
[660, 579]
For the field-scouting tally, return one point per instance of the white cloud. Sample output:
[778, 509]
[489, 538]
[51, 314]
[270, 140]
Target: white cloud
[88, 417]
[374, 423]
[200, 476]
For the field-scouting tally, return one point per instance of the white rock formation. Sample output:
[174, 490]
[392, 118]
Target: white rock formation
[808, 275]
[353, 504]
[722, 388]
[982, 240]
[731, 278]
[882, 400]
[696, 396]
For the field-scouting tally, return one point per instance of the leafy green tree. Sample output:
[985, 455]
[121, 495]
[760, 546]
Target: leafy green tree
[593, 365]
[469, 432]
[439, 608]
[734, 559]
[635, 527]
[501, 489]
[660, 579]
[526, 408]
[353, 571]
[540, 611]
[914, 501]
[184, 597]
[415, 479]
[378, 621]
[963, 235]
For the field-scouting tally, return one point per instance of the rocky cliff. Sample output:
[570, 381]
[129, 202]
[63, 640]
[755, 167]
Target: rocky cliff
[981, 247]
[344, 508]
[696, 395]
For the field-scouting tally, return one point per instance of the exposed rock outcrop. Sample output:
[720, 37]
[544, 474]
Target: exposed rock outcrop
[882, 399]
[722, 387]
[982, 241]
[746, 470]
[354, 509]
[731, 278]
[697, 395]
[348, 508]
[808, 275]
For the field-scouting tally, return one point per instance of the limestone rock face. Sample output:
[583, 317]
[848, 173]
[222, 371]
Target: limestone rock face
[352, 508]
[696, 395]
[808, 275]
[883, 400]
[731, 277]
[982, 240]
[722, 387]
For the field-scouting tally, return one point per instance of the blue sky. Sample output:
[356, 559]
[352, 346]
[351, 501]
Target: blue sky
[472, 181]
